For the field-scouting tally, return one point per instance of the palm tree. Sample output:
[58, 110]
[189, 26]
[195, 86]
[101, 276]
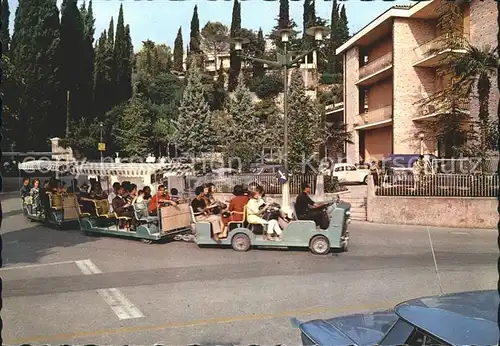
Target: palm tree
[474, 69]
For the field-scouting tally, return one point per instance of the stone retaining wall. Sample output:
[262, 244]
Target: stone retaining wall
[460, 212]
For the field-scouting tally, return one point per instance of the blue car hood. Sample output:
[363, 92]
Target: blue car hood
[359, 329]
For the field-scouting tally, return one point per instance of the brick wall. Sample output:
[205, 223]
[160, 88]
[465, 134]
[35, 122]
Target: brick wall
[380, 94]
[351, 101]
[381, 48]
[483, 31]
[410, 85]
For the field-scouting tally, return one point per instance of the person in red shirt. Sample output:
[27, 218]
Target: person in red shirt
[235, 209]
[159, 198]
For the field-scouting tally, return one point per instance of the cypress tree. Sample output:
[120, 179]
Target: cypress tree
[35, 56]
[72, 38]
[258, 68]
[88, 56]
[101, 77]
[343, 26]
[194, 43]
[110, 64]
[309, 19]
[4, 29]
[129, 64]
[178, 52]
[284, 15]
[334, 39]
[121, 55]
[235, 60]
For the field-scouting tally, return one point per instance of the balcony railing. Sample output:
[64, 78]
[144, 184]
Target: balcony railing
[435, 107]
[376, 65]
[440, 44]
[375, 116]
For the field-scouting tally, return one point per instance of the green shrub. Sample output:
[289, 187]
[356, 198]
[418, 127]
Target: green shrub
[269, 86]
[328, 78]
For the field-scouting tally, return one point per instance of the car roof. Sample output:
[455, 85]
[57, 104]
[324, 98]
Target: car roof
[456, 318]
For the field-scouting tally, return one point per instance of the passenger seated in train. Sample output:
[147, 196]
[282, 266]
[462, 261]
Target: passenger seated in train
[96, 191]
[174, 194]
[219, 205]
[131, 194]
[35, 197]
[159, 199]
[25, 190]
[235, 210]
[202, 210]
[122, 207]
[86, 203]
[147, 194]
[256, 208]
[112, 195]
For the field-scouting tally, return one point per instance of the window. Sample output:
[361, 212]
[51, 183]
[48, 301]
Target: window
[420, 338]
[339, 169]
[350, 168]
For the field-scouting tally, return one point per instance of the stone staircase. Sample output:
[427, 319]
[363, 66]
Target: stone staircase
[358, 207]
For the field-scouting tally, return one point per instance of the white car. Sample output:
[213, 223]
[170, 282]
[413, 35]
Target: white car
[349, 173]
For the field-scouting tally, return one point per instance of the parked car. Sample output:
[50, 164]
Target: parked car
[349, 173]
[466, 318]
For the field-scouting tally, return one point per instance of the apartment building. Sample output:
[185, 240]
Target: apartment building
[392, 64]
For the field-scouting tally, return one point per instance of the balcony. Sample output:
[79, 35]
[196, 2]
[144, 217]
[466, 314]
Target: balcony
[373, 119]
[430, 111]
[433, 52]
[376, 70]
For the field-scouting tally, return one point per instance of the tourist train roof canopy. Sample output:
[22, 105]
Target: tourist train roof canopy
[106, 168]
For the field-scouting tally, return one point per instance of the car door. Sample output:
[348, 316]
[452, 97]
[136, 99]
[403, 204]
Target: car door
[351, 174]
[339, 172]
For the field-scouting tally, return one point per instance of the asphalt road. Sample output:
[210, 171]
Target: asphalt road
[63, 287]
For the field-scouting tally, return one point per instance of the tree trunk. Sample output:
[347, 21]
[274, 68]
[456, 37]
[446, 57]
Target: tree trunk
[483, 89]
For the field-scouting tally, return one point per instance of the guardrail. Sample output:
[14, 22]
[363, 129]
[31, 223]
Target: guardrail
[375, 115]
[439, 44]
[442, 185]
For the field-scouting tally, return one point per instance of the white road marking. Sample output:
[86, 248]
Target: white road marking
[87, 267]
[37, 265]
[122, 307]
[460, 233]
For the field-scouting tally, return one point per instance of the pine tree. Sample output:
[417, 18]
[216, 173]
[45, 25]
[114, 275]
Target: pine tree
[193, 124]
[4, 30]
[36, 58]
[235, 60]
[195, 38]
[88, 57]
[179, 52]
[242, 111]
[258, 68]
[303, 119]
[72, 43]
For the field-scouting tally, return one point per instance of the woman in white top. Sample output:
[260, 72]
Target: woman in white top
[256, 208]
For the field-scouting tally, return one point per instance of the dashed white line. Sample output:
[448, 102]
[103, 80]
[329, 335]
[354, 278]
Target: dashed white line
[122, 307]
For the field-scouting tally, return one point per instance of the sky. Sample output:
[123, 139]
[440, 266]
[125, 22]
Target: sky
[159, 20]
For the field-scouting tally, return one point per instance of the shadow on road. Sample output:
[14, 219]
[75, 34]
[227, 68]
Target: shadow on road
[29, 245]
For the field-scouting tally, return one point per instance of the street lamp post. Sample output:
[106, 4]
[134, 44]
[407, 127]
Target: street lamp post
[318, 32]
[100, 125]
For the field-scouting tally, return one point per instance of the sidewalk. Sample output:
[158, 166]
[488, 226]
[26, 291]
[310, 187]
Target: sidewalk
[403, 227]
